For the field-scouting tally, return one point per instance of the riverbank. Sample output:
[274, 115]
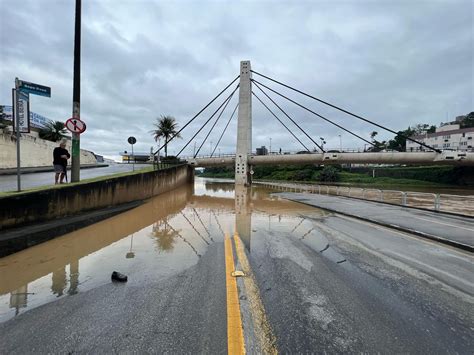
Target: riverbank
[429, 176]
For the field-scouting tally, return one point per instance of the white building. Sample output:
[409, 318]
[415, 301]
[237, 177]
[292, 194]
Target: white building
[447, 137]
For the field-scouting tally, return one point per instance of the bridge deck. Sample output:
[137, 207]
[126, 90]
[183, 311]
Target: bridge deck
[453, 230]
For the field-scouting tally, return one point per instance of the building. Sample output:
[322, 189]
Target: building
[262, 150]
[447, 137]
[138, 157]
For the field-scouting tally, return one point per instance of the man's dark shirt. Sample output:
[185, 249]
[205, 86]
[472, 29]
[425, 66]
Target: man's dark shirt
[57, 152]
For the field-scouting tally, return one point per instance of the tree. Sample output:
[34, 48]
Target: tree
[468, 121]
[53, 131]
[399, 142]
[166, 127]
[377, 146]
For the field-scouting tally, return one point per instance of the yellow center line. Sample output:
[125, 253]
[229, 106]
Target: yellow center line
[235, 337]
[263, 330]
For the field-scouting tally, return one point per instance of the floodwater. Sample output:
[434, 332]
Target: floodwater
[162, 237]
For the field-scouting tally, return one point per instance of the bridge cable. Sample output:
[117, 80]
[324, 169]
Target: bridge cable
[192, 119]
[210, 118]
[314, 113]
[301, 129]
[279, 120]
[217, 120]
[348, 112]
[225, 128]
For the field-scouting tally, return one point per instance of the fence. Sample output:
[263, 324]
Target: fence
[431, 201]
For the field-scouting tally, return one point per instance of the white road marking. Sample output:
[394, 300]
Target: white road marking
[446, 224]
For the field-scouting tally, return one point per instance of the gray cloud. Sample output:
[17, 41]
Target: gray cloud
[397, 62]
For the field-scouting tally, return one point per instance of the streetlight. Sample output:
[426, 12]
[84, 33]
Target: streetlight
[219, 152]
[270, 145]
[210, 148]
[340, 144]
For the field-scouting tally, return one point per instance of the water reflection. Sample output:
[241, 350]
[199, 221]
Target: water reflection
[165, 235]
[160, 238]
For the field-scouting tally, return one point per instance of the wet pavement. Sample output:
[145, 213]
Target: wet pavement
[455, 230]
[31, 180]
[314, 282]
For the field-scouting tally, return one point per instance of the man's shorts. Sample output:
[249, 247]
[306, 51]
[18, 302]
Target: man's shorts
[58, 168]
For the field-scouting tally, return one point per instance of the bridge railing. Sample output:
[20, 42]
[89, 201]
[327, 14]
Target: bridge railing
[459, 204]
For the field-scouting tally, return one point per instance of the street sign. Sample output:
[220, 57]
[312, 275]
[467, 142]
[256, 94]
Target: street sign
[75, 125]
[23, 104]
[132, 140]
[35, 89]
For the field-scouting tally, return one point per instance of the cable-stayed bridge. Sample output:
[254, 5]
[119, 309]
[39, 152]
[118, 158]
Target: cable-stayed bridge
[243, 160]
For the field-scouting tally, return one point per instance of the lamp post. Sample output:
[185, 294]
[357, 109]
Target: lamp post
[340, 144]
[270, 145]
[210, 148]
[323, 142]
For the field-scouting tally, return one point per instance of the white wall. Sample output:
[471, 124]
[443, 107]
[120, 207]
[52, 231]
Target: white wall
[34, 151]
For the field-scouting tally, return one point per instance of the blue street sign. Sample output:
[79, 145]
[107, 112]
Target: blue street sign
[35, 89]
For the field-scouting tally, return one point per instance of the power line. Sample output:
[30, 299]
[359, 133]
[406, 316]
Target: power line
[279, 120]
[314, 113]
[225, 128]
[192, 119]
[348, 112]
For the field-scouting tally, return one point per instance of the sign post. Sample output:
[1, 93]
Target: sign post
[21, 114]
[132, 141]
[17, 125]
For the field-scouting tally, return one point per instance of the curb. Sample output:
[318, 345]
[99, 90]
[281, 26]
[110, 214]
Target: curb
[432, 237]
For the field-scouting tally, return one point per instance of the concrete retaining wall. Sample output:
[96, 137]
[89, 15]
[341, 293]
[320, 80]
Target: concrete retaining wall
[34, 151]
[39, 206]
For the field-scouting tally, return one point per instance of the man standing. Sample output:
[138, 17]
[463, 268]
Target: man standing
[60, 156]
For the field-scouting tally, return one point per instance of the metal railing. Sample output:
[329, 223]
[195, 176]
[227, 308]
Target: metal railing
[459, 204]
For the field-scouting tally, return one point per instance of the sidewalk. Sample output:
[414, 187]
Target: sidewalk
[42, 169]
[452, 230]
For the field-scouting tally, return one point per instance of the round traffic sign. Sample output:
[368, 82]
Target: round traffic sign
[75, 125]
[132, 140]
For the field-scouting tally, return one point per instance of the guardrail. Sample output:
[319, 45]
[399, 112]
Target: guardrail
[459, 204]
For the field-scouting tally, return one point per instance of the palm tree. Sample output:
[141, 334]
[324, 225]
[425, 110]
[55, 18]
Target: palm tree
[166, 127]
[165, 235]
[53, 131]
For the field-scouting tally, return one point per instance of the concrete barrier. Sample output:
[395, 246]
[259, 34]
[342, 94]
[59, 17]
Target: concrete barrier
[38, 206]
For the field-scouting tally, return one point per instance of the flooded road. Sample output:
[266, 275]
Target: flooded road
[315, 280]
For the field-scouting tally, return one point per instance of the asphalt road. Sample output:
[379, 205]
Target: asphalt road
[9, 182]
[447, 227]
[314, 282]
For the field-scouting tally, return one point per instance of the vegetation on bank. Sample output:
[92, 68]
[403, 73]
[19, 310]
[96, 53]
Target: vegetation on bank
[425, 175]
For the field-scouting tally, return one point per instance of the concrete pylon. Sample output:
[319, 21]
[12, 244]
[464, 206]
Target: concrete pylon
[244, 127]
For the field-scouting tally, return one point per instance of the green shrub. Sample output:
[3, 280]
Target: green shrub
[329, 174]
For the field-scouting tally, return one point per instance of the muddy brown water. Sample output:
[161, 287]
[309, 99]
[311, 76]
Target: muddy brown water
[162, 237]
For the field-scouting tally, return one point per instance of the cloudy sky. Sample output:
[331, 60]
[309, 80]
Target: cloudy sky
[396, 62]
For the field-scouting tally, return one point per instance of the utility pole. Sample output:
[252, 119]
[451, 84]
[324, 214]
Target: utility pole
[76, 95]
